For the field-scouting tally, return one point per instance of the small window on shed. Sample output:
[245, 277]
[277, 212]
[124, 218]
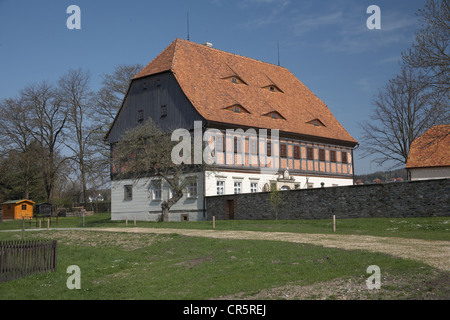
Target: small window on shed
[24, 207]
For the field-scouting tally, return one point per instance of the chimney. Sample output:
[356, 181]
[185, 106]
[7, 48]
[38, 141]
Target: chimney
[208, 44]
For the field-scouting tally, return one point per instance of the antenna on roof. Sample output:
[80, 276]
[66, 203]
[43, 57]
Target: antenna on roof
[278, 45]
[188, 25]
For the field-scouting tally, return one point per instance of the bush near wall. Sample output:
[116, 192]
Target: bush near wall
[399, 199]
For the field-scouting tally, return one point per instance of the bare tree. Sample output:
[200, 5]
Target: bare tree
[17, 142]
[46, 122]
[77, 98]
[430, 50]
[404, 109]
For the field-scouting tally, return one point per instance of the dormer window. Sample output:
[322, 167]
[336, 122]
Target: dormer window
[316, 123]
[275, 115]
[272, 88]
[235, 79]
[237, 108]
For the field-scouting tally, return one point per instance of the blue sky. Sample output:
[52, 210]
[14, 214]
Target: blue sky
[326, 44]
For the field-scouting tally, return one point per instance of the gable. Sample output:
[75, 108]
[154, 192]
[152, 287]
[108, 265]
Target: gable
[158, 97]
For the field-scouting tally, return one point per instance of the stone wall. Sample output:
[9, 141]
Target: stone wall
[399, 199]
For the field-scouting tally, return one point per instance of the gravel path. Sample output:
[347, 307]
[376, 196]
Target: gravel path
[432, 252]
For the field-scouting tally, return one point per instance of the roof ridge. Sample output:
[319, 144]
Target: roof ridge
[230, 53]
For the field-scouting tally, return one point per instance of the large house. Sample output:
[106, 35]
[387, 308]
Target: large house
[299, 143]
[429, 154]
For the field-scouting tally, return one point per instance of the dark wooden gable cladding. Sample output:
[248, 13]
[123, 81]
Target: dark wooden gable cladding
[158, 97]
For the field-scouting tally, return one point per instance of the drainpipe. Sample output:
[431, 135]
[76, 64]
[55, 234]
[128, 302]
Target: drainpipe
[353, 162]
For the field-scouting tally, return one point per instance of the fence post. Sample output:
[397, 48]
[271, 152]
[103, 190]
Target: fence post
[334, 223]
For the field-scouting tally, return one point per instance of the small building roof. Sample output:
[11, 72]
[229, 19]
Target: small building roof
[431, 149]
[17, 201]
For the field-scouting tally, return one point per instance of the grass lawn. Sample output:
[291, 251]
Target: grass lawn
[167, 267]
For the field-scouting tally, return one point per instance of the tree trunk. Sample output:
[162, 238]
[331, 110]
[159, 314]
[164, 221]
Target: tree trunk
[166, 205]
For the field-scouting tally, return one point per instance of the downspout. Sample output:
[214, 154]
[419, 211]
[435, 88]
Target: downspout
[353, 162]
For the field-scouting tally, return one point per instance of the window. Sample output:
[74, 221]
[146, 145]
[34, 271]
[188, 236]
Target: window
[237, 109]
[332, 155]
[253, 142]
[310, 153]
[274, 116]
[321, 154]
[344, 157]
[24, 207]
[140, 116]
[157, 190]
[234, 80]
[128, 193]
[237, 187]
[192, 190]
[220, 187]
[269, 148]
[220, 142]
[254, 187]
[296, 152]
[283, 151]
[237, 145]
[164, 111]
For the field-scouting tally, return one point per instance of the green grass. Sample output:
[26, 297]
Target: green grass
[432, 228]
[167, 267]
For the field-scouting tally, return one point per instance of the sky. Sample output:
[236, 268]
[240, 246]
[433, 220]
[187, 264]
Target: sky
[325, 44]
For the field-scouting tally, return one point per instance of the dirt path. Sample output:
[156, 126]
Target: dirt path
[432, 252]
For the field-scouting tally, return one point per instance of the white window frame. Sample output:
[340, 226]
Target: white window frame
[128, 193]
[237, 187]
[192, 189]
[253, 187]
[220, 187]
[157, 190]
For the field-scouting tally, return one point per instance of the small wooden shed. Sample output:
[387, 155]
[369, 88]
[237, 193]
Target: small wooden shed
[17, 209]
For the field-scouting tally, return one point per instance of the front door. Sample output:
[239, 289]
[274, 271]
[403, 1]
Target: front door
[229, 210]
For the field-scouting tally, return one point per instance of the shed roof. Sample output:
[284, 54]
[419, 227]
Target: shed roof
[262, 89]
[18, 201]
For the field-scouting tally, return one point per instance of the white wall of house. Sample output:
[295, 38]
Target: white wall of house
[247, 179]
[145, 202]
[429, 173]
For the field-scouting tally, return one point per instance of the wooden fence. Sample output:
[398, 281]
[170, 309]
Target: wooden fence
[22, 258]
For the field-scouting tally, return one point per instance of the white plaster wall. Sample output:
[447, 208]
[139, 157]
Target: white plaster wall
[144, 208]
[430, 173]
[247, 178]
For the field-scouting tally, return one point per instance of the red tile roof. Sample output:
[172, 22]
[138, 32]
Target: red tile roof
[431, 149]
[205, 73]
